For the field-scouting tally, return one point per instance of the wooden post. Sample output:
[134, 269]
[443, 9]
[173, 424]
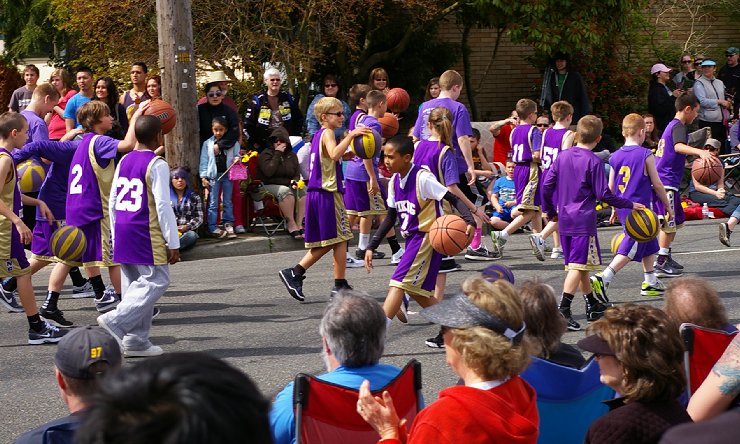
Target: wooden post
[177, 63]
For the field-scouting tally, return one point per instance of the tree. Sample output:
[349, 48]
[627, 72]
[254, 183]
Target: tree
[28, 29]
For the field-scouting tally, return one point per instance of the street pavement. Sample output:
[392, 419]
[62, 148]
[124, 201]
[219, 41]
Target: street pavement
[237, 309]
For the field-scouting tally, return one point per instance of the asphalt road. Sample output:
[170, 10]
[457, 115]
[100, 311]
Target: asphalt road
[237, 309]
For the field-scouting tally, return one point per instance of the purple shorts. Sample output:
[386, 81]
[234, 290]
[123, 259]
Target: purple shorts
[581, 252]
[526, 184]
[637, 251]
[40, 245]
[326, 222]
[543, 176]
[98, 249]
[674, 200]
[417, 272]
[359, 202]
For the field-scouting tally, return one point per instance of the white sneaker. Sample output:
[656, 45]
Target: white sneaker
[239, 229]
[557, 253]
[229, 231]
[84, 291]
[538, 246]
[396, 258]
[153, 350]
[354, 263]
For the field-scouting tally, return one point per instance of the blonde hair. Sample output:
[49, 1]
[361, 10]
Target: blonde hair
[632, 124]
[450, 78]
[560, 110]
[43, 90]
[525, 107]
[440, 120]
[91, 113]
[589, 129]
[63, 74]
[324, 105]
[487, 353]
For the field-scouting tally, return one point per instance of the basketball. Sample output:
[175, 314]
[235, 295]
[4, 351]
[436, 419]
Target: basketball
[31, 175]
[641, 225]
[616, 240]
[68, 243]
[707, 171]
[365, 146]
[495, 272]
[398, 100]
[448, 235]
[164, 112]
[389, 125]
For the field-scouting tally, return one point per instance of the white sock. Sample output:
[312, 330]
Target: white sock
[364, 240]
[504, 234]
[608, 274]
[388, 322]
[651, 278]
[664, 251]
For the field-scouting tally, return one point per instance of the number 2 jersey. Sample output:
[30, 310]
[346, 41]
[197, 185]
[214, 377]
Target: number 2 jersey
[144, 224]
[90, 178]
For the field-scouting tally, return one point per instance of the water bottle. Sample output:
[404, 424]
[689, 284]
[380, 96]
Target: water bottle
[705, 212]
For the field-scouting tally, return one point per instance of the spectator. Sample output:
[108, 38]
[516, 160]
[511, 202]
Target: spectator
[353, 337]
[379, 80]
[331, 88]
[684, 78]
[433, 89]
[542, 122]
[216, 156]
[713, 107]
[137, 94]
[269, 110]
[652, 135]
[503, 199]
[721, 429]
[729, 74]
[545, 326]
[714, 195]
[154, 87]
[84, 79]
[694, 300]
[22, 96]
[224, 83]
[215, 107]
[82, 358]
[735, 137]
[566, 84]
[661, 100]
[485, 345]
[105, 91]
[62, 81]
[184, 398]
[721, 388]
[501, 131]
[187, 206]
[640, 355]
[279, 171]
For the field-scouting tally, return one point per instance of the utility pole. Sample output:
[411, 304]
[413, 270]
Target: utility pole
[177, 63]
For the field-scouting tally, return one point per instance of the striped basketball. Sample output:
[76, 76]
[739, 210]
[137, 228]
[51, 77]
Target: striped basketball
[616, 240]
[641, 225]
[68, 243]
[31, 175]
[365, 146]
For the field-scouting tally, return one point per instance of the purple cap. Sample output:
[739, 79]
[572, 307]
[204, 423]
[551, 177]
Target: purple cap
[595, 344]
[84, 346]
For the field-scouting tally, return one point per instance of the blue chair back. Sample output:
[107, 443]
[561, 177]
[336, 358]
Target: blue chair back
[568, 399]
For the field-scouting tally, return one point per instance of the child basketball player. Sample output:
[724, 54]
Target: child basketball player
[631, 176]
[414, 197]
[327, 227]
[526, 142]
[578, 179]
[144, 223]
[14, 233]
[554, 140]
[670, 160]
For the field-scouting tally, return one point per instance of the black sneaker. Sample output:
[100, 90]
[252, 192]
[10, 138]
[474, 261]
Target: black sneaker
[108, 301]
[665, 270]
[596, 311]
[572, 324]
[360, 254]
[9, 300]
[481, 254]
[436, 342]
[449, 266]
[336, 290]
[293, 283]
[55, 316]
[50, 334]
[724, 234]
[599, 287]
[674, 264]
[155, 312]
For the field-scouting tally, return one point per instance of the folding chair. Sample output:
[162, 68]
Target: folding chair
[268, 216]
[732, 172]
[327, 413]
[703, 348]
[568, 399]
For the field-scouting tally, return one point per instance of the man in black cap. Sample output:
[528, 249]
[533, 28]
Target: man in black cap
[730, 76]
[82, 357]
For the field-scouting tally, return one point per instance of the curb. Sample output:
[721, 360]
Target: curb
[243, 245]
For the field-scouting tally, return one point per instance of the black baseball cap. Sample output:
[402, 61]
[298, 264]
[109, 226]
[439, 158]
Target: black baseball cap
[84, 346]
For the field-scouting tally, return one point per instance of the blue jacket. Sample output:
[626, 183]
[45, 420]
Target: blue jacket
[208, 159]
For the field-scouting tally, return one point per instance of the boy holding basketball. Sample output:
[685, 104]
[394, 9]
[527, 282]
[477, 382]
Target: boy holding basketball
[14, 233]
[327, 227]
[632, 175]
[143, 219]
[670, 160]
[578, 179]
[414, 196]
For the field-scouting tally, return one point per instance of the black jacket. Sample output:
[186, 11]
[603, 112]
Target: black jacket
[574, 92]
[257, 119]
[206, 113]
[661, 104]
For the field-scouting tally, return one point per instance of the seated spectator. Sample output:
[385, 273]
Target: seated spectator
[503, 198]
[545, 328]
[694, 300]
[82, 358]
[721, 388]
[280, 172]
[485, 345]
[179, 398]
[735, 137]
[353, 338]
[640, 355]
[714, 195]
[188, 207]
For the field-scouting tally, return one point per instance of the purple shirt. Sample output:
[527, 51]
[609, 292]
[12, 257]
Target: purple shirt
[578, 178]
[552, 145]
[356, 167]
[670, 164]
[438, 159]
[630, 176]
[90, 178]
[525, 140]
[323, 172]
[460, 126]
[415, 214]
[37, 129]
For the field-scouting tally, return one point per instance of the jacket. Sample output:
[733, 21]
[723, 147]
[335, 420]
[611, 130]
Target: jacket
[709, 92]
[208, 159]
[257, 119]
[278, 168]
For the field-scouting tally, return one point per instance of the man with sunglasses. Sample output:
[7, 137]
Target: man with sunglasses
[729, 74]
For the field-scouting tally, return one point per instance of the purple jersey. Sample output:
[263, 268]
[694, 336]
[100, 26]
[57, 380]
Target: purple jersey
[414, 212]
[460, 126]
[552, 145]
[140, 239]
[577, 177]
[438, 159]
[37, 129]
[10, 241]
[630, 176]
[356, 167]
[525, 140]
[90, 178]
[323, 172]
[670, 164]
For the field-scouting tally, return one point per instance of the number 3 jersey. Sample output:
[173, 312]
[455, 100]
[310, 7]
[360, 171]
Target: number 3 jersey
[139, 229]
[630, 176]
[90, 178]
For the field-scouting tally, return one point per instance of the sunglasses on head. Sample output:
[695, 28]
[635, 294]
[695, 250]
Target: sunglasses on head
[215, 94]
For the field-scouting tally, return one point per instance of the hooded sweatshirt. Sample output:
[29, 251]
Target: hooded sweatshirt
[504, 414]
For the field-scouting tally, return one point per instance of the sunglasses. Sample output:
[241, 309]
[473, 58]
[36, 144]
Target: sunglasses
[730, 55]
[215, 94]
[698, 62]
[542, 125]
[381, 80]
[338, 114]
[685, 61]
[330, 85]
[276, 80]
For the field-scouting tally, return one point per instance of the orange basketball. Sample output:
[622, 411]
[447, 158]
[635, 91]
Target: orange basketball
[388, 125]
[164, 112]
[398, 100]
[707, 171]
[448, 235]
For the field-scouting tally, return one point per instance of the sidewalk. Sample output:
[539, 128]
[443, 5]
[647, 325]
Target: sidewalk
[244, 245]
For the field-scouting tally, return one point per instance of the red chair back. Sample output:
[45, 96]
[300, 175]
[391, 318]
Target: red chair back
[704, 346]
